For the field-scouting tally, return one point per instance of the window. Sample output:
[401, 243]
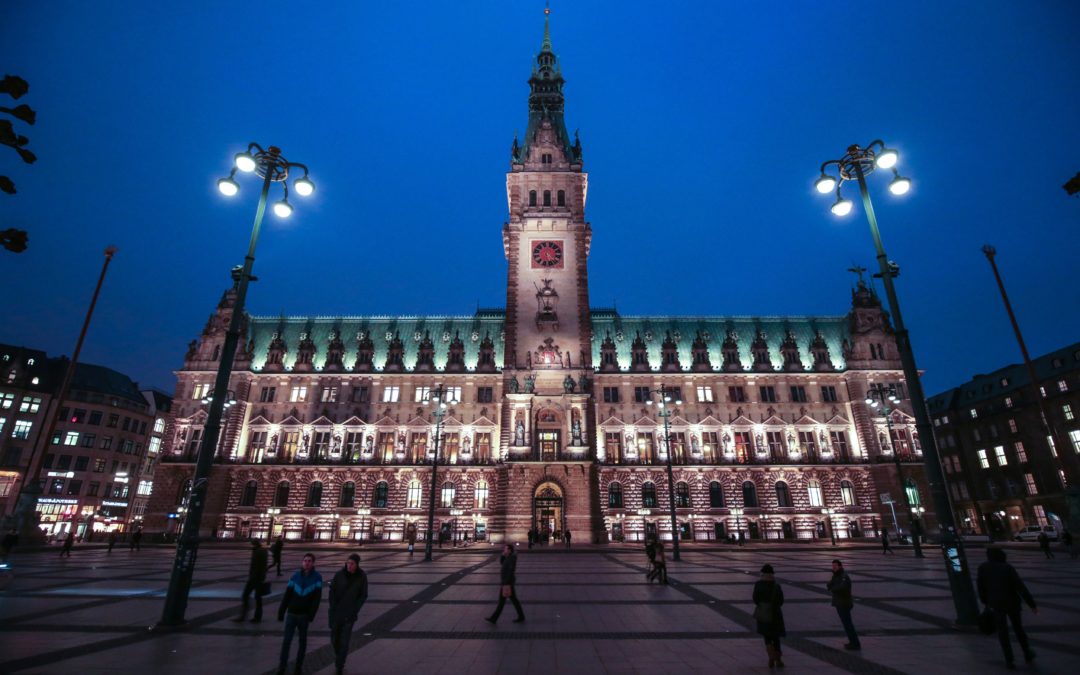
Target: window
[547, 197]
[611, 395]
[71, 438]
[64, 463]
[449, 492]
[159, 424]
[485, 394]
[798, 394]
[99, 465]
[838, 440]
[1008, 402]
[106, 441]
[360, 394]
[348, 495]
[648, 495]
[1029, 482]
[704, 395]
[248, 497]
[614, 496]
[95, 420]
[422, 395]
[1012, 426]
[1021, 455]
[452, 394]
[736, 394]
[298, 394]
[391, 394]
[912, 492]
[783, 495]
[749, 495]
[31, 404]
[93, 488]
[413, 495]
[480, 495]
[1063, 386]
[828, 394]
[75, 487]
[81, 463]
[532, 197]
[716, 495]
[328, 395]
[1066, 410]
[199, 391]
[1074, 438]
[57, 486]
[813, 489]
[21, 429]
[847, 493]
[7, 400]
[983, 461]
[976, 435]
[560, 198]
[113, 420]
[48, 461]
[314, 495]
[768, 394]
[999, 453]
[641, 394]
[281, 494]
[682, 495]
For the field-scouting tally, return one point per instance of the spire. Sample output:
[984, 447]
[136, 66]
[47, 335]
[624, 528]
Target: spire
[546, 47]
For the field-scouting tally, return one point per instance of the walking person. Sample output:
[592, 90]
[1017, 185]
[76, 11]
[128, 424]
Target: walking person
[348, 592]
[410, 532]
[566, 538]
[768, 599]
[532, 537]
[136, 539]
[69, 542]
[298, 608]
[275, 552]
[1044, 544]
[112, 540]
[1001, 589]
[885, 548]
[507, 579]
[650, 553]
[255, 581]
[1067, 543]
[659, 571]
[840, 587]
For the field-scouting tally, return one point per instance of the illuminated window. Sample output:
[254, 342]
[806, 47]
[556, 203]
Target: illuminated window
[847, 492]
[648, 495]
[480, 494]
[974, 413]
[329, 395]
[159, 424]
[412, 495]
[21, 429]
[704, 395]
[1066, 410]
[30, 404]
[1074, 437]
[999, 453]
[912, 492]
[1008, 402]
[1063, 386]
[200, 391]
[6, 400]
[1021, 456]
[391, 394]
[71, 438]
[422, 395]
[298, 395]
[154, 446]
[1012, 426]
[983, 461]
[449, 491]
[813, 489]
[716, 495]
[452, 394]
[1029, 481]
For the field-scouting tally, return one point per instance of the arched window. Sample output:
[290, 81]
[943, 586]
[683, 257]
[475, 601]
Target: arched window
[449, 491]
[783, 495]
[532, 197]
[248, 498]
[348, 495]
[547, 197]
[480, 494]
[716, 495]
[560, 198]
[913, 492]
[314, 495]
[412, 496]
[281, 494]
[682, 495]
[381, 495]
[648, 495]
[847, 492]
[749, 494]
[614, 496]
[813, 488]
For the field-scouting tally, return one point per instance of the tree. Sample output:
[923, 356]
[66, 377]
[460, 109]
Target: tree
[12, 239]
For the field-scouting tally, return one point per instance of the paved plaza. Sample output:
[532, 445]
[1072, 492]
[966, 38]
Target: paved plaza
[588, 611]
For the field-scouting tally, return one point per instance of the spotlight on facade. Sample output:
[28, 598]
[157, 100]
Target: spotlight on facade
[245, 162]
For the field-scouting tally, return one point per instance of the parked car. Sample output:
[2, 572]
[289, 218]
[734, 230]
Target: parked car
[1032, 532]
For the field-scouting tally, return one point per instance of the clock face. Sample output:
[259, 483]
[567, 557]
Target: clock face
[547, 254]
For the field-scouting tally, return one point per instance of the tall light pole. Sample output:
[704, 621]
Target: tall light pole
[888, 400]
[25, 515]
[854, 165]
[272, 168]
[1048, 426]
[663, 397]
[437, 399]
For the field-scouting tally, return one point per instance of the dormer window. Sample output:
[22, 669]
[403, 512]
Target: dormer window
[545, 159]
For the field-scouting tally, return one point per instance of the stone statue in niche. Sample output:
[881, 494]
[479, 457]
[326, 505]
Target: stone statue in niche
[369, 445]
[530, 383]
[401, 444]
[466, 445]
[695, 448]
[569, 384]
[575, 429]
[519, 432]
[584, 384]
[528, 360]
[512, 385]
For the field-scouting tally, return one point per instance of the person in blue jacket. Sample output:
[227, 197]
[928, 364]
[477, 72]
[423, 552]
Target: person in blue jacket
[298, 608]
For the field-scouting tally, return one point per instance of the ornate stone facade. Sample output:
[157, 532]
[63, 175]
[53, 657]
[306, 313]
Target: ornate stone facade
[549, 410]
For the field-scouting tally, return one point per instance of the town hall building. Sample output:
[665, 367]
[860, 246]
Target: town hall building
[554, 419]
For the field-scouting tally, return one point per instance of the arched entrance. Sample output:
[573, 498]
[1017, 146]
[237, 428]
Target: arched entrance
[549, 512]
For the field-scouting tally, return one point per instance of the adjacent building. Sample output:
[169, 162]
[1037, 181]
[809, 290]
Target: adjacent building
[98, 464]
[553, 421]
[1003, 467]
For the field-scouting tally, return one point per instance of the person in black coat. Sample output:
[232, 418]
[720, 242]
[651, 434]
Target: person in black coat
[840, 588]
[1001, 589]
[1044, 544]
[768, 599]
[348, 592]
[507, 579]
[255, 580]
[275, 551]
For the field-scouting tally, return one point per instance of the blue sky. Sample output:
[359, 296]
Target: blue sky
[703, 126]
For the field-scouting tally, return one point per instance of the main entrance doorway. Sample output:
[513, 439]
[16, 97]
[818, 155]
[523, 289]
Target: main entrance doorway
[549, 515]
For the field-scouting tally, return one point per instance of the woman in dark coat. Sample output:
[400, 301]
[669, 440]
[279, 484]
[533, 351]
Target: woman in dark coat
[768, 599]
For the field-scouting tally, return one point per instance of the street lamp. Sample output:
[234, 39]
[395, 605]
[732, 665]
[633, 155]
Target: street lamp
[663, 397]
[437, 399]
[829, 521]
[888, 401]
[854, 165]
[272, 168]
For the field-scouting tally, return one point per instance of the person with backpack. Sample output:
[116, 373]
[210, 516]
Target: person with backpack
[348, 592]
[768, 599]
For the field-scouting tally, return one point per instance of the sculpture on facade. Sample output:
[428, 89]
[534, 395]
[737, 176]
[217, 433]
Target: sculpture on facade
[568, 384]
[530, 383]
[512, 385]
[575, 430]
[519, 432]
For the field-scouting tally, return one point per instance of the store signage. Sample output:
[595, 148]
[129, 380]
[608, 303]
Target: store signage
[106, 502]
[56, 500]
[61, 474]
[457, 512]
[644, 512]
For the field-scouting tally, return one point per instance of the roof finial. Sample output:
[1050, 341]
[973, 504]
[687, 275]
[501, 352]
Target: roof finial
[546, 47]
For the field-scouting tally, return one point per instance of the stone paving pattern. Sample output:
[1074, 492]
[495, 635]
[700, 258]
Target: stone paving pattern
[589, 611]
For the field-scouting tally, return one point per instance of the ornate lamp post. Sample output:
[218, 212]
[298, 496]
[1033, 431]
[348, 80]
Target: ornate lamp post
[887, 399]
[272, 168]
[436, 399]
[663, 397]
[855, 164]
